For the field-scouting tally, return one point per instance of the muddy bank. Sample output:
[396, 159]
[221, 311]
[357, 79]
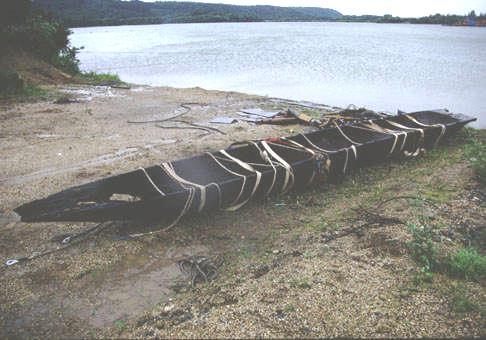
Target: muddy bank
[278, 277]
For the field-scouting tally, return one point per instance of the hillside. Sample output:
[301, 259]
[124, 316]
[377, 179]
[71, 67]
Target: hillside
[76, 13]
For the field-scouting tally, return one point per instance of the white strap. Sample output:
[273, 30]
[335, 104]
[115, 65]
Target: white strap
[312, 152]
[313, 145]
[169, 168]
[264, 156]
[152, 182]
[406, 127]
[249, 168]
[288, 169]
[243, 184]
[346, 161]
[421, 140]
[184, 210]
[396, 135]
[344, 135]
[442, 126]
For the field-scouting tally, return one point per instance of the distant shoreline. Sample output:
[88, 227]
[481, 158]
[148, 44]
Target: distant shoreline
[89, 13]
[267, 21]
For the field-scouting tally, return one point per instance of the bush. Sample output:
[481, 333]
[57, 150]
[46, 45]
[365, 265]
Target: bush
[461, 303]
[106, 79]
[38, 34]
[476, 154]
[467, 264]
[67, 60]
[10, 82]
[26, 93]
[14, 12]
[422, 247]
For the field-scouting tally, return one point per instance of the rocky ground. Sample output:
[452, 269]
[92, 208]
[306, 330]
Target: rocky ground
[304, 265]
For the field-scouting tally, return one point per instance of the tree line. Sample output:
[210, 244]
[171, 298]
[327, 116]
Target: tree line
[26, 28]
[77, 13]
[436, 19]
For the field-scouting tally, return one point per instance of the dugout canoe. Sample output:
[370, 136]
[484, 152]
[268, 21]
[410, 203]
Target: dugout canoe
[228, 179]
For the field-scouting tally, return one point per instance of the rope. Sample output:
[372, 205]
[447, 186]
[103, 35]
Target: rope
[442, 126]
[405, 134]
[243, 184]
[370, 126]
[190, 197]
[355, 154]
[346, 161]
[324, 151]
[169, 169]
[183, 105]
[313, 145]
[66, 242]
[420, 142]
[289, 173]
[312, 152]
[247, 167]
[152, 182]
[344, 135]
[264, 156]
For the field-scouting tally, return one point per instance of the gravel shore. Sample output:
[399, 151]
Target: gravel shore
[277, 277]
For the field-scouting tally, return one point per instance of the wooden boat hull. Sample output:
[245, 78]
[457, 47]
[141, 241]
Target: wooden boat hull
[227, 179]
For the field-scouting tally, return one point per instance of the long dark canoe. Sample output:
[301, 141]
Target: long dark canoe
[228, 179]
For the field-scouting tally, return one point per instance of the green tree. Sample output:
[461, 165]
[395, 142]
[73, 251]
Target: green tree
[14, 12]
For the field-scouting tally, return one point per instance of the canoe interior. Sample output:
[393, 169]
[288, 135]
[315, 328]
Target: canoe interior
[154, 193]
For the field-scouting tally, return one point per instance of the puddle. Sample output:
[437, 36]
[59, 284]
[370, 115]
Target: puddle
[8, 217]
[147, 281]
[87, 94]
[141, 89]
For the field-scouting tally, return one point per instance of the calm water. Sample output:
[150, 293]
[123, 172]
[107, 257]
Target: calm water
[383, 67]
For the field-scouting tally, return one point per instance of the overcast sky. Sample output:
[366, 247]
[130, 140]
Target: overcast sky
[396, 7]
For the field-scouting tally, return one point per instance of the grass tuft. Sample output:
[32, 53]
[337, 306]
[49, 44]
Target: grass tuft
[302, 283]
[467, 264]
[475, 152]
[120, 325]
[27, 92]
[102, 79]
[461, 304]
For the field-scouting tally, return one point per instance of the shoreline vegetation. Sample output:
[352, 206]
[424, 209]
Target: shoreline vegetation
[36, 51]
[115, 12]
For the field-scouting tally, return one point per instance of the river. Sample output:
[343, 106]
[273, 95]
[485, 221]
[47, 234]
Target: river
[379, 66]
